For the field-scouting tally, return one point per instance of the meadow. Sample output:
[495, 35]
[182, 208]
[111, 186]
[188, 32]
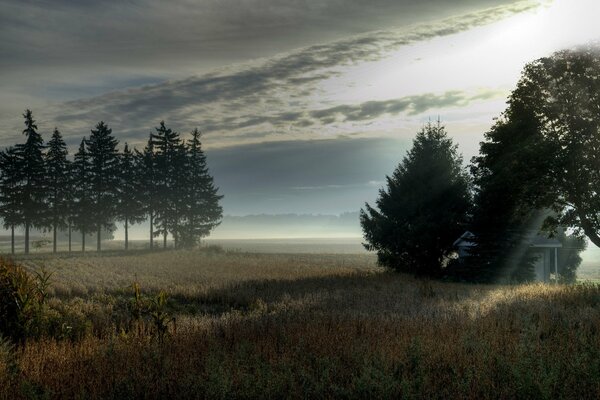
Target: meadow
[297, 325]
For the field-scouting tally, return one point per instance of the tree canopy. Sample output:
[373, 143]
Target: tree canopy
[423, 209]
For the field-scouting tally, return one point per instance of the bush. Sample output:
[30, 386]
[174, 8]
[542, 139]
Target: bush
[22, 297]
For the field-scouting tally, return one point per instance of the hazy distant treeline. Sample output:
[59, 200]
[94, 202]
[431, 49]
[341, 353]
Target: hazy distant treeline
[167, 182]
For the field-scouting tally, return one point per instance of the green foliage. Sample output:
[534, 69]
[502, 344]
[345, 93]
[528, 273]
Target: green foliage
[148, 314]
[424, 208]
[104, 178]
[130, 207]
[58, 179]
[31, 178]
[202, 212]
[81, 210]
[538, 167]
[22, 301]
[562, 93]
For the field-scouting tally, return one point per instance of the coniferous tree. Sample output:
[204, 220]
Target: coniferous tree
[58, 181]
[31, 175]
[9, 192]
[148, 190]
[130, 208]
[202, 210]
[82, 192]
[167, 144]
[104, 161]
[424, 208]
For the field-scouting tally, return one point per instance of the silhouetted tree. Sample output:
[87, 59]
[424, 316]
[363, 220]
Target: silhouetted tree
[424, 208]
[104, 161]
[58, 181]
[31, 175]
[507, 181]
[9, 192]
[130, 208]
[562, 92]
[166, 144]
[83, 204]
[202, 210]
[149, 189]
[539, 165]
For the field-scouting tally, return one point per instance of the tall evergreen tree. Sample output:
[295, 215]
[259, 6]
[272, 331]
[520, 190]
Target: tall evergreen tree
[104, 160]
[9, 192]
[166, 143]
[58, 181]
[31, 175]
[82, 192]
[130, 208]
[424, 208]
[202, 210]
[148, 190]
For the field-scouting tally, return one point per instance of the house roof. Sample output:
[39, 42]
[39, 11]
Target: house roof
[465, 240]
[538, 241]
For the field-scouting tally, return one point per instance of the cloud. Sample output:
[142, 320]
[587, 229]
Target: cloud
[137, 32]
[274, 91]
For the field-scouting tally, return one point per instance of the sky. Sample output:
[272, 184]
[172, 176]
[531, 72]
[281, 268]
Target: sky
[305, 105]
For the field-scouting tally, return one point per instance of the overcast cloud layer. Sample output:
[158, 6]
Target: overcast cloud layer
[305, 105]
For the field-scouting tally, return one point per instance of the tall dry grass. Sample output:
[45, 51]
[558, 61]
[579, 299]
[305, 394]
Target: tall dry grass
[310, 326]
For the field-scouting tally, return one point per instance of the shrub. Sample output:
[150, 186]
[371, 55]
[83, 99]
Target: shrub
[22, 298]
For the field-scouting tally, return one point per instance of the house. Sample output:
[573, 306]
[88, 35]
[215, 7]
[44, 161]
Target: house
[546, 250]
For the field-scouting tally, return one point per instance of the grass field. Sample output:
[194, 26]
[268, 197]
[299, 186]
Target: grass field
[268, 325]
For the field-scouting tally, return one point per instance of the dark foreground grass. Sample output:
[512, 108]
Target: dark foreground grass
[353, 332]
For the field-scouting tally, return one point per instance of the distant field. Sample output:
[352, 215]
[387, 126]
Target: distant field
[301, 325]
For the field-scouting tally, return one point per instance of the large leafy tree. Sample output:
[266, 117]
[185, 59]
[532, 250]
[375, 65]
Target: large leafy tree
[9, 192]
[202, 209]
[507, 182]
[104, 162]
[539, 166]
[32, 178]
[423, 209]
[58, 179]
[130, 208]
[562, 92]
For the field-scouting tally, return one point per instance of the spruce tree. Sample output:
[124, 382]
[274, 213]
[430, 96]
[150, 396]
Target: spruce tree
[104, 161]
[148, 190]
[31, 177]
[9, 192]
[166, 143]
[58, 181]
[130, 208]
[82, 192]
[424, 208]
[202, 210]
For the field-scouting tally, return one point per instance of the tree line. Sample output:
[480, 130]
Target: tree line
[167, 183]
[538, 169]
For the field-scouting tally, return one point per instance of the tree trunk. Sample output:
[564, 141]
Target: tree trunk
[83, 240]
[26, 237]
[99, 241]
[69, 236]
[164, 239]
[12, 239]
[126, 236]
[54, 238]
[151, 231]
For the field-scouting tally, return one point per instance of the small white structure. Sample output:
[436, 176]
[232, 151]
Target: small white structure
[547, 261]
[546, 250]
